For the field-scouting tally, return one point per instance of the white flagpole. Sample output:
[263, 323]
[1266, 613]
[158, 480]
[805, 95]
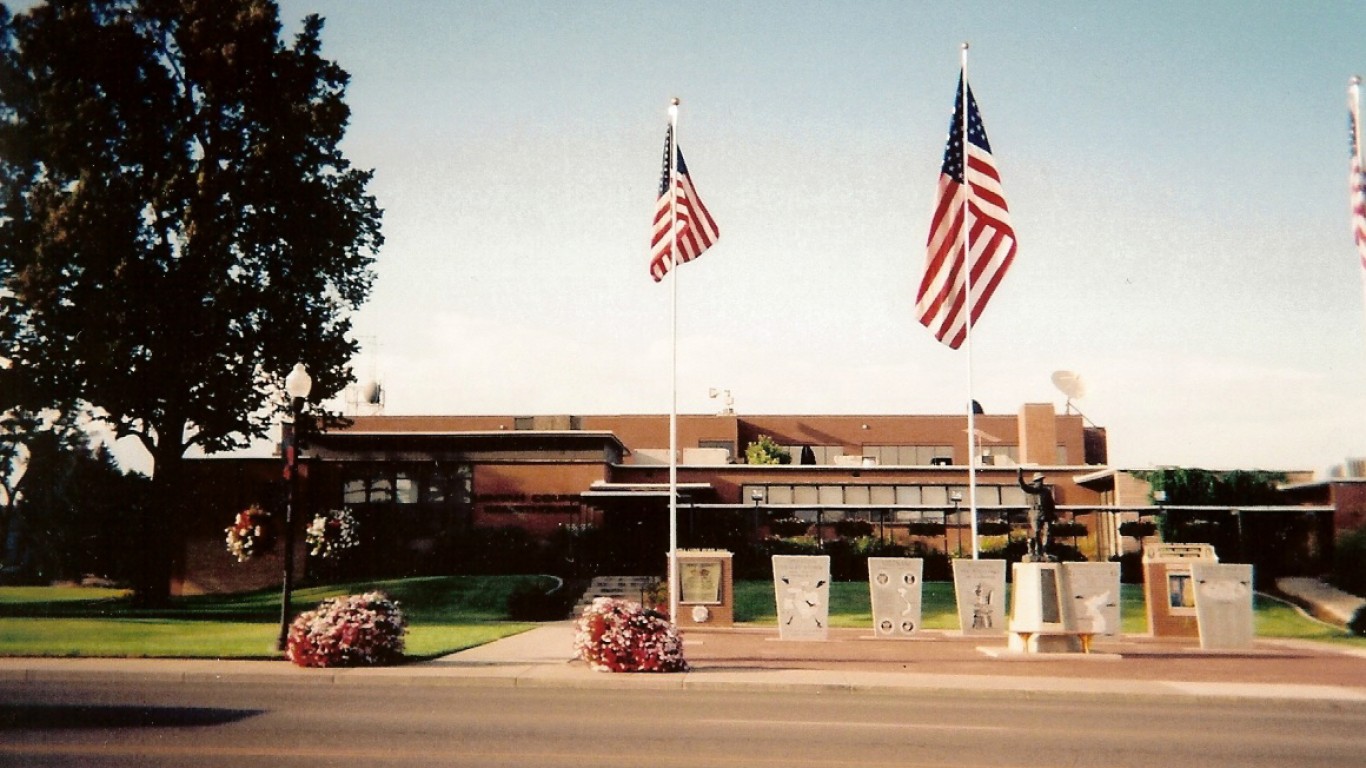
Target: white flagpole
[967, 278]
[673, 376]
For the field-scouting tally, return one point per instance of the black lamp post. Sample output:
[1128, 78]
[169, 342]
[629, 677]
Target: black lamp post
[957, 498]
[298, 384]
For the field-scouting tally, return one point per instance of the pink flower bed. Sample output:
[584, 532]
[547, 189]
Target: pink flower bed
[621, 636]
[349, 631]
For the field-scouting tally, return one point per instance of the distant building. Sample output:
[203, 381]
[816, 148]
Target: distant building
[420, 485]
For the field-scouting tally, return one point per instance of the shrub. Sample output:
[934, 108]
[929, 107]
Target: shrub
[349, 631]
[621, 636]
[1067, 530]
[853, 529]
[788, 527]
[925, 529]
[993, 528]
[1349, 562]
[528, 602]
[1138, 529]
[1358, 623]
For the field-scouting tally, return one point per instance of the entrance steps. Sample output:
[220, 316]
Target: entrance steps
[631, 588]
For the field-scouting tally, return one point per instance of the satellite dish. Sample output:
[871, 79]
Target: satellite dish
[1070, 384]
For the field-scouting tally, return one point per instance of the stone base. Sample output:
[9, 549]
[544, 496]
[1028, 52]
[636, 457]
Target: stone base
[1044, 642]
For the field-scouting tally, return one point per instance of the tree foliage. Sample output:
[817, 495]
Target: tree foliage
[178, 224]
[766, 451]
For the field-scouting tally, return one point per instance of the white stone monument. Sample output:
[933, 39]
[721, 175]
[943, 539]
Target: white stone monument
[1091, 598]
[1223, 603]
[1037, 621]
[980, 589]
[801, 585]
[895, 591]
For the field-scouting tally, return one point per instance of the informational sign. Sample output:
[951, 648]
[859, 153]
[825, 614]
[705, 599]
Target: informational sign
[700, 582]
[894, 587]
[1223, 603]
[980, 589]
[1091, 597]
[801, 586]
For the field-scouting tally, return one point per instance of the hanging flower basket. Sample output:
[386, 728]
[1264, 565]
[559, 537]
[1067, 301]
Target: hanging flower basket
[349, 631]
[621, 636]
[251, 532]
[332, 533]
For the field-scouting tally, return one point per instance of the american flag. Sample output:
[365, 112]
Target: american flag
[1357, 181]
[942, 301]
[696, 229]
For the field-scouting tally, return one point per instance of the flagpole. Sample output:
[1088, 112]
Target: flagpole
[673, 376]
[1354, 105]
[967, 278]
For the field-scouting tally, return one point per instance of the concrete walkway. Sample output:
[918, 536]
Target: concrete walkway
[1329, 602]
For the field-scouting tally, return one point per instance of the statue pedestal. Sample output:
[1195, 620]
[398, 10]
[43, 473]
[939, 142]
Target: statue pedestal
[1037, 621]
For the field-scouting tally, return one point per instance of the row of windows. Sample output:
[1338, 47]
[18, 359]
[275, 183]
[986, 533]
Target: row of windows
[888, 495]
[434, 485]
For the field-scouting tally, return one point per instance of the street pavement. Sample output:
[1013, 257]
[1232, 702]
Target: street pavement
[753, 658]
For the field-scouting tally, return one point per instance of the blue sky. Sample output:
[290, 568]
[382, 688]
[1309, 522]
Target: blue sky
[1176, 172]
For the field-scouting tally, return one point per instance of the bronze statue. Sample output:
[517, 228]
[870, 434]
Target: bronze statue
[1042, 513]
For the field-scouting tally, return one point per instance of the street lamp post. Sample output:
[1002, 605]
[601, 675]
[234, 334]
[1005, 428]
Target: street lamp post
[957, 498]
[298, 384]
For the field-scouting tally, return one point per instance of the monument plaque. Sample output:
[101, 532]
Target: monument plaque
[895, 590]
[700, 582]
[1091, 597]
[1223, 603]
[980, 588]
[801, 586]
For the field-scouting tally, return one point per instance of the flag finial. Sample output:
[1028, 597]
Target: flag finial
[1356, 80]
[965, 45]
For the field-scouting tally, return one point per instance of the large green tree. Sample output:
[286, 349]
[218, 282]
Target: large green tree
[178, 224]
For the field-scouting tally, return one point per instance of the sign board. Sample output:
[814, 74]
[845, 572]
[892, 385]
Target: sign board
[894, 587]
[1223, 603]
[980, 589]
[1091, 597]
[801, 586]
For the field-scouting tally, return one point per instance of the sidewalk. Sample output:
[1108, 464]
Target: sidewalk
[748, 658]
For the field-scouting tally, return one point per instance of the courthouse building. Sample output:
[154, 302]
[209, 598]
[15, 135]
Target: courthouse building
[418, 484]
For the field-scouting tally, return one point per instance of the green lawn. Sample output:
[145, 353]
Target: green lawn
[445, 614]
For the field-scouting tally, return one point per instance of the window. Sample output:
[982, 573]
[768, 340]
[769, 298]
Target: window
[412, 485]
[908, 455]
[825, 454]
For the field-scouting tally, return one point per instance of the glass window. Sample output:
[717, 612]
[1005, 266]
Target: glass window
[831, 494]
[1014, 496]
[405, 490]
[908, 495]
[937, 494]
[856, 494]
[882, 494]
[353, 492]
[804, 494]
[780, 494]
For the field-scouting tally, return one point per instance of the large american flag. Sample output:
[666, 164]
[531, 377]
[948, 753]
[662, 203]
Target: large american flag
[941, 304]
[1357, 181]
[696, 229]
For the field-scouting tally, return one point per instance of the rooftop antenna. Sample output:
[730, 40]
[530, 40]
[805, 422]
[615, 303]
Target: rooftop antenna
[729, 409]
[1071, 384]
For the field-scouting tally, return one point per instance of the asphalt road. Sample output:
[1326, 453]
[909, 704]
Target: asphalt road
[248, 724]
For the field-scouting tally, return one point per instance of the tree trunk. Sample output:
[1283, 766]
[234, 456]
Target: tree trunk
[160, 521]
